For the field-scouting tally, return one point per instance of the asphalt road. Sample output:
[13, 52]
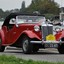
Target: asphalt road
[50, 55]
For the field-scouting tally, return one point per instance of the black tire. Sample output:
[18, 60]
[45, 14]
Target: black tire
[61, 49]
[26, 45]
[2, 48]
[35, 48]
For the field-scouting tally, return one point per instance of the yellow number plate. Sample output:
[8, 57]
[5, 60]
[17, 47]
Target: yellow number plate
[50, 38]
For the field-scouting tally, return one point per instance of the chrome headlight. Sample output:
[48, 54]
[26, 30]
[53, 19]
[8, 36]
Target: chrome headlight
[36, 28]
[57, 29]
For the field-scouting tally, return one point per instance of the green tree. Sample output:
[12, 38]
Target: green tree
[1, 13]
[23, 7]
[44, 7]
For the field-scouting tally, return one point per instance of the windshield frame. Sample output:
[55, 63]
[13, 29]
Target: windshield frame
[29, 20]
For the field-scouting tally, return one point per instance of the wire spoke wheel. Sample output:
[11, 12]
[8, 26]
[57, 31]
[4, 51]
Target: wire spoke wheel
[26, 45]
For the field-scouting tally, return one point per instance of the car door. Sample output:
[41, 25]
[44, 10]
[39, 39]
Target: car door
[9, 33]
[13, 33]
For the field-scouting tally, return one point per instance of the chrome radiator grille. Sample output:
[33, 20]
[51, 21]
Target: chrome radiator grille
[46, 30]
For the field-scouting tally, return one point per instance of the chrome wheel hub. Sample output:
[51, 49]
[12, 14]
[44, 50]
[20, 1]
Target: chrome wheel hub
[25, 45]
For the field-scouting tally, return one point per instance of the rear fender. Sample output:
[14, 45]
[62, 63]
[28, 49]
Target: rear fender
[2, 36]
[31, 34]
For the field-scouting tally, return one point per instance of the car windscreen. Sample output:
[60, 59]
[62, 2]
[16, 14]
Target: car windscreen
[29, 19]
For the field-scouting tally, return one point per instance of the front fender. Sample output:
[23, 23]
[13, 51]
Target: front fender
[31, 34]
[60, 35]
[2, 36]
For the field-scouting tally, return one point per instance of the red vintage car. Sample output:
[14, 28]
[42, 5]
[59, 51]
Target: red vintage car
[30, 32]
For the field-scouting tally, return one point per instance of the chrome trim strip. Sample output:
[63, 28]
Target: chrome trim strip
[36, 42]
[47, 42]
[52, 42]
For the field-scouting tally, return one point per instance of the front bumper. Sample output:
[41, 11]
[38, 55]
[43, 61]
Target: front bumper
[48, 44]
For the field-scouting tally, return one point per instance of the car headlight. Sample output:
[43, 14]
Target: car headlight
[36, 28]
[57, 29]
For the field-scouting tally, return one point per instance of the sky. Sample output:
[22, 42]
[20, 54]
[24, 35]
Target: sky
[12, 4]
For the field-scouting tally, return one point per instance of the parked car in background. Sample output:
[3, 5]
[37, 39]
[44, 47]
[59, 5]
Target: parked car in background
[30, 32]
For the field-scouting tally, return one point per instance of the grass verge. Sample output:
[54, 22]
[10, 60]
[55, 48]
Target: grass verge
[13, 60]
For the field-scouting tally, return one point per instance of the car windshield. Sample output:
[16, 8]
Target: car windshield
[29, 19]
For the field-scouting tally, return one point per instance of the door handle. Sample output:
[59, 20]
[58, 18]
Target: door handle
[14, 32]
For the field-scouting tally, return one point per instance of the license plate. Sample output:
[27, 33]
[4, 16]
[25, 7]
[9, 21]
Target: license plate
[51, 45]
[50, 38]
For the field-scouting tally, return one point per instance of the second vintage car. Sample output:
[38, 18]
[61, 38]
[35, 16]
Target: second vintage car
[30, 32]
